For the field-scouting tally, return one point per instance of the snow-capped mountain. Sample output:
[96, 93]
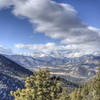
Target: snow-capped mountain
[73, 68]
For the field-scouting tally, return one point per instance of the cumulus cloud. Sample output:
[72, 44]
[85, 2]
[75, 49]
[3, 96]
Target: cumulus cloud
[48, 47]
[82, 36]
[58, 50]
[58, 21]
[4, 50]
[53, 19]
[5, 3]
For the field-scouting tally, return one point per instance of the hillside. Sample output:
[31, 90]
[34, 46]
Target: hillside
[12, 76]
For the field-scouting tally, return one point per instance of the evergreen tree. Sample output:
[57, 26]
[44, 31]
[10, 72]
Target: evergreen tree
[76, 94]
[64, 95]
[85, 91]
[73, 95]
[96, 86]
[40, 87]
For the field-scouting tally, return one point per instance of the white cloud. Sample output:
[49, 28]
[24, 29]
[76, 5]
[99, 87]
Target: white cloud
[53, 19]
[4, 50]
[59, 50]
[58, 21]
[48, 47]
[5, 3]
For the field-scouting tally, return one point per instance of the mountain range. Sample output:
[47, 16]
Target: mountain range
[77, 69]
[13, 75]
[15, 68]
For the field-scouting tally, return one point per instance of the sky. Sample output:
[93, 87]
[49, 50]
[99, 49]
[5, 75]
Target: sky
[28, 26]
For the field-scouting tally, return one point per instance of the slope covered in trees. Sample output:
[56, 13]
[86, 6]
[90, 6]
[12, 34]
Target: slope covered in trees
[40, 87]
[12, 77]
[89, 91]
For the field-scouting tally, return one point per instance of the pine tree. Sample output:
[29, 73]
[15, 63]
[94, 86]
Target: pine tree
[79, 97]
[96, 85]
[73, 95]
[76, 94]
[64, 96]
[85, 91]
[40, 87]
[91, 91]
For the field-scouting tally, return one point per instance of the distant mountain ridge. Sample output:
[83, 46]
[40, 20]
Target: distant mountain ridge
[13, 75]
[75, 68]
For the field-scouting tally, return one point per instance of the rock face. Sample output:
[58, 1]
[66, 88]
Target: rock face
[12, 77]
[76, 69]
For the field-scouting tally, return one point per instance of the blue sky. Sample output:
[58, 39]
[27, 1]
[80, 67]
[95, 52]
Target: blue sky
[17, 27]
[18, 30]
[88, 10]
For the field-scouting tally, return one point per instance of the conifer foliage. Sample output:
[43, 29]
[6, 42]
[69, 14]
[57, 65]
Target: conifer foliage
[40, 87]
[89, 91]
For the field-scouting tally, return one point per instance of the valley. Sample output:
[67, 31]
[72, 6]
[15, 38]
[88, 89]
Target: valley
[77, 69]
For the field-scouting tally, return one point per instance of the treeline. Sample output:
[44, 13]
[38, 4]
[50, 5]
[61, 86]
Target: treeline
[40, 86]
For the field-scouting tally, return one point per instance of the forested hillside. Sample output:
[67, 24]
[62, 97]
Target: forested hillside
[12, 77]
